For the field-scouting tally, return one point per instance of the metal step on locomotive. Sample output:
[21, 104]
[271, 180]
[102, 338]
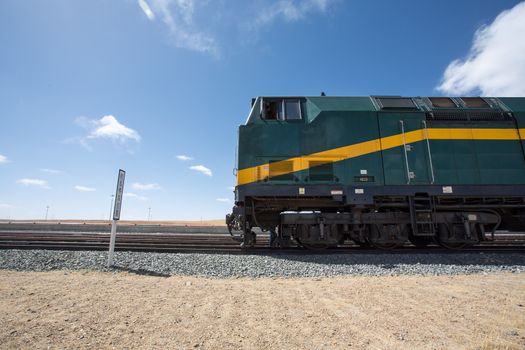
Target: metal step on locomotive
[380, 171]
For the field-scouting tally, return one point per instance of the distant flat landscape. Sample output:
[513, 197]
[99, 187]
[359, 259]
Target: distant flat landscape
[217, 222]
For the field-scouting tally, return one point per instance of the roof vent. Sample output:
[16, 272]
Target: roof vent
[396, 103]
[475, 102]
[442, 102]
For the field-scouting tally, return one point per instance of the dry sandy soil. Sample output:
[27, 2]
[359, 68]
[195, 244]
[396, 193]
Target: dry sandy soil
[122, 310]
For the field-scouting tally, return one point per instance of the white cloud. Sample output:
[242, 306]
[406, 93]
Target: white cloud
[51, 171]
[145, 187]
[33, 182]
[84, 188]
[231, 188]
[109, 127]
[7, 206]
[289, 10]
[201, 169]
[223, 200]
[3, 159]
[183, 157]
[146, 9]
[133, 195]
[495, 65]
[178, 17]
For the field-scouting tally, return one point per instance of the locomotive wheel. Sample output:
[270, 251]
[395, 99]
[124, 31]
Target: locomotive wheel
[385, 245]
[314, 246]
[420, 242]
[280, 242]
[453, 239]
[360, 237]
[454, 245]
[388, 237]
[249, 240]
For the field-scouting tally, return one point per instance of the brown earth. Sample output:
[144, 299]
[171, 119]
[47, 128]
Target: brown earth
[218, 222]
[123, 310]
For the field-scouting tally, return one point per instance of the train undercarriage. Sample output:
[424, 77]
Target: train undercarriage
[387, 223]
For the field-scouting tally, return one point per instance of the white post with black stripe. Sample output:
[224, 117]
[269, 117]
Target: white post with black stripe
[116, 214]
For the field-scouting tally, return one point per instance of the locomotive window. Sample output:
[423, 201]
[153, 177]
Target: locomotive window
[292, 109]
[321, 171]
[271, 109]
[475, 102]
[281, 109]
[396, 103]
[442, 102]
[281, 170]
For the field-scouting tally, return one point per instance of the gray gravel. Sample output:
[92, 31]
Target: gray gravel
[267, 265]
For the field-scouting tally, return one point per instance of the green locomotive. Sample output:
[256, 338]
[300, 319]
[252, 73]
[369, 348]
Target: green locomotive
[380, 170]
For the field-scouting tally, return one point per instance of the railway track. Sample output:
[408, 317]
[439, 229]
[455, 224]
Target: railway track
[192, 242]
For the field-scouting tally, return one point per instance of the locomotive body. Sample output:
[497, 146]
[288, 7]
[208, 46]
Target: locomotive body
[380, 170]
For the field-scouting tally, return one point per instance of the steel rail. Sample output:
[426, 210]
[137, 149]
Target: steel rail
[206, 242]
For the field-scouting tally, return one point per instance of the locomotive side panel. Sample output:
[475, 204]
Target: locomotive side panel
[381, 170]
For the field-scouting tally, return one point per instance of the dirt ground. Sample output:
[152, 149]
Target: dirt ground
[62, 309]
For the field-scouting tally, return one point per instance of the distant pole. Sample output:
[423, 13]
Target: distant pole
[47, 211]
[111, 206]
[149, 213]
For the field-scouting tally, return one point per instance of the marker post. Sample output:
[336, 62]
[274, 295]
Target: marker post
[112, 242]
[116, 215]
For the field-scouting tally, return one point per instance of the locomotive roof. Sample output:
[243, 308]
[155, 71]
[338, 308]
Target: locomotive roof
[312, 106]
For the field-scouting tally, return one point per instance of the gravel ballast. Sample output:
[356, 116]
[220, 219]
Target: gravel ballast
[266, 265]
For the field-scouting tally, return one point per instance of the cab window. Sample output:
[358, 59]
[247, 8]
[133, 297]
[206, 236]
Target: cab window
[281, 109]
[292, 109]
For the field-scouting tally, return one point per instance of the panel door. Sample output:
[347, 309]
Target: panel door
[404, 148]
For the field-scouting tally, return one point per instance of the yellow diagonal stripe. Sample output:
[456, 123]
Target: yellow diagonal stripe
[252, 174]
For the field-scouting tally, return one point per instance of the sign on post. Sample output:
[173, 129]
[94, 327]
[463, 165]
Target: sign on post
[118, 194]
[116, 215]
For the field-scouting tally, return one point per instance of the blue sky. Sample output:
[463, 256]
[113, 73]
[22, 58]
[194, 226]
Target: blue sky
[88, 87]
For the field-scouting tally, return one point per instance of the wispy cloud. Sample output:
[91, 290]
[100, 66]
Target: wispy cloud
[201, 169]
[51, 171]
[200, 25]
[3, 159]
[178, 17]
[7, 206]
[289, 10]
[85, 188]
[146, 9]
[145, 187]
[136, 196]
[107, 127]
[33, 183]
[183, 157]
[495, 65]
[223, 200]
